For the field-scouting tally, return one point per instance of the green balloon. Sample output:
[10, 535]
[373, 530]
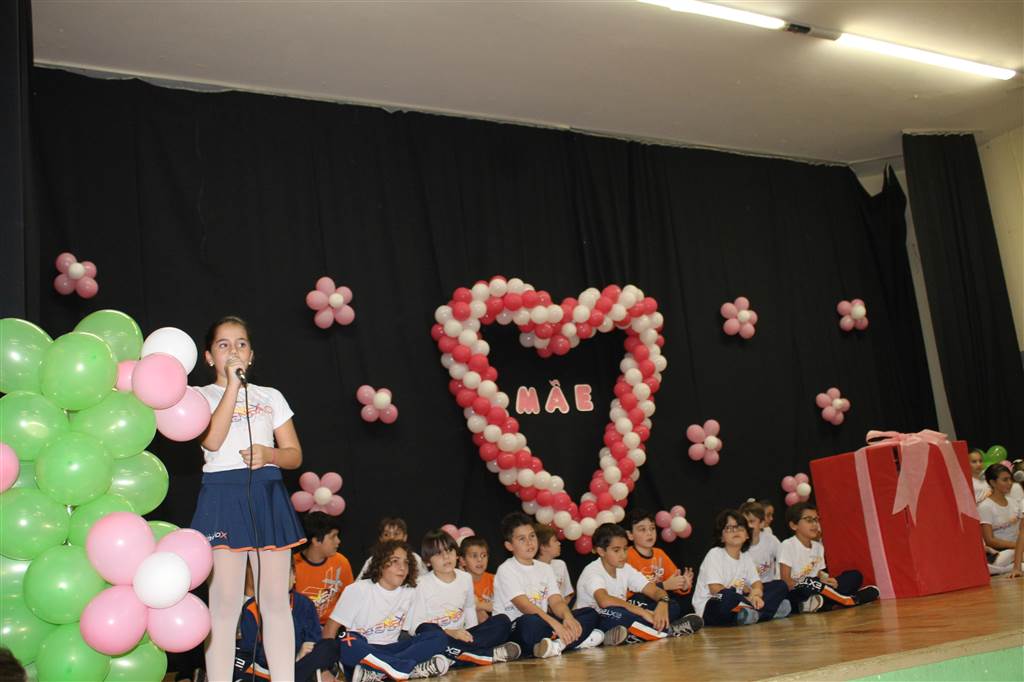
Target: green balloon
[144, 663]
[12, 575]
[79, 370]
[22, 631]
[65, 657]
[26, 476]
[142, 480]
[121, 422]
[161, 528]
[74, 469]
[118, 330]
[83, 518]
[60, 582]
[22, 345]
[31, 674]
[995, 455]
[28, 421]
[30, 523]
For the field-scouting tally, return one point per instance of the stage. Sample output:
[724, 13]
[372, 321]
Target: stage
[841, 645]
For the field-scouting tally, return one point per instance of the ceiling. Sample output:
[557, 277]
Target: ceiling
[617, 68]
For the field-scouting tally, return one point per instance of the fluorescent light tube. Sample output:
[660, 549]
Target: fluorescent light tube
[709, 9]
[925, 57]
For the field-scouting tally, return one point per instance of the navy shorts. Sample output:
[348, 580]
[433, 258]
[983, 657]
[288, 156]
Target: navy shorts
[223, 511]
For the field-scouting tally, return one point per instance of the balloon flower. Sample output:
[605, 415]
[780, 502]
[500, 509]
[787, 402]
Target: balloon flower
[673, 523]
[797, 488]
[458, 534]
[852, 315]
[376, 404]
[739, 318]
[319, 494]
[331, 304]
[833, 406]
[75, 277]
[706, 443]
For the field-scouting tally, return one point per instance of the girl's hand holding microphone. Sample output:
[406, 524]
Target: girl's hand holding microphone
[231, 369]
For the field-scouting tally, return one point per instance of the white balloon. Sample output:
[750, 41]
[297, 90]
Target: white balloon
[588, 525]
[617, 313]
[858, 312]
[525, 478]
[507, 443]
[457, 371]
[589, 297]
[588, 497]
[640, 323]
[574, 341]
[442, 314]
[634, 377]
[657, 322]
[530, 507]
[607, 324]
[472, 325]
[613, 475]
[487, 388]
[556, 485]
[76, 271]
[492, 433]
[172, 341]
[541, 480]
[619, 491]
[555, 313]
[501, 399]
[635, 476]
[647, 407]
[648, 423]
[627, 363]
[580, 313]
[521, 316]
[631, 439]
[467, 337]
[161, 580]
[743, 316]
[515, 286]
[608, 461]
[471, 379]
[381, 399]
[504, 317]
[837, 404]
[638, 456]
[603, 451]
[467, 412]
[545, 515]
[569, 330]
[648, 337]
[573, 531]
[498, 287]
[616, 413]
[642, 391]
[508, 476]
[527, 339]
[322, 495]
[623, 425]
[712, 443]
[604, 517]
[480, 347]
[453, 328]
[803, 489]
[539, 314]
[678, 524]
[541, 343]
[660, 363]
[481, 291]
[477, 309]
[627, 299]
[521, 442]
[562, 519]
[476, 423]
[618, 513]
[447, 360]
[493, 467]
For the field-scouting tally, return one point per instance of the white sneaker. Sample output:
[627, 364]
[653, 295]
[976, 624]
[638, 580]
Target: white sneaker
[615, 636]
[364, 674]
[547, 647]
[594, 639]
[504, 653]
[433, 667]
[812, 604]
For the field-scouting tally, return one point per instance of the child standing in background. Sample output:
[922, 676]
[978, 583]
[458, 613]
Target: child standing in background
[549, 548]
[394, 528]
[473, 556]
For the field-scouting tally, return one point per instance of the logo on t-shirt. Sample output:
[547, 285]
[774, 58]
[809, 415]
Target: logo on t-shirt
[449, 617]
[254, 411]
[764, 569]
[810, 568]
[537, 597]
[391, 623]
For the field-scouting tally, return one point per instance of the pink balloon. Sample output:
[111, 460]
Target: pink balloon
[696, 451]
[309, 482]
[389, 414]
[302, 501]
[728, 310]
[335, 506]
[64, 284]
[742, 303]
[451, 529]
[711, 458]
[114, 621]
[369, 413]
[838, 419]
[789, 484]
[90, 268]
[180, 627]
[833, 393]
[844, 307]
[324, 318]
[678, 510]
[124, 375]
[695, 433]
[332, 481]
[791, 499]
[10, 467]
[194, 548]
[186, 419]
[801, 478]
[663, 519]
[753, 317]
[365, 393]
[731, 326]
[345, 292]
[326, 285]
[712, 427]
[466, 532]
[822, 400]
[746, 331]
[316, 300]
[117, 544]
[846, 324]
[64, 261]
[344, 315]
[861, 324]
[87, 287]
[668, 535]
[159, 380]
[829, 413]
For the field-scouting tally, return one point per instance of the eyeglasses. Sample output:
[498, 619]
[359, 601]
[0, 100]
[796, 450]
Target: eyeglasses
[733, 529]
[810, 519]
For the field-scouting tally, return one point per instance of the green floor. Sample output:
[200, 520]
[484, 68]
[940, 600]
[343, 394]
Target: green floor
[995, 666]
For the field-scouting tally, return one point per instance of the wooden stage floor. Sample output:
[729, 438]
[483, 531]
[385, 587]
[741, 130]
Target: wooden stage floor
[878, 637]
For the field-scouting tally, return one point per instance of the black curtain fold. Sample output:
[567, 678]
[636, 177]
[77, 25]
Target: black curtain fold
[198, 205]
[967, 296]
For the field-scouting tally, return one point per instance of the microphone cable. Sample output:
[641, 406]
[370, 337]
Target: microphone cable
[257, 577]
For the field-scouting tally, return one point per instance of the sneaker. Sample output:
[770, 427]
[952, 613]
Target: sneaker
[687, 625]
[509, 651]
[614, 637]
[364, 674]
[592, 640]
[547, 647]
[433, 667]
[812, 604]
[746, 617]
[866, 594]
[785, 608]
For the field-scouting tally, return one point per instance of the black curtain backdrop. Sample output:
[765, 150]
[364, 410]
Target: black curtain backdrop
[971, 315]
[198, 205]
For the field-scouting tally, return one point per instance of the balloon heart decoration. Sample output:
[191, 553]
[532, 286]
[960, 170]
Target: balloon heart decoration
[553, 328]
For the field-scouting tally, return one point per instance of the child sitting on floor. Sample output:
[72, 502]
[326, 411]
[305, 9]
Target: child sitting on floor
[445, 599]
[764, 547]
[981, 489]
[1000, 516]
[654, 564]
[394, 528]
[321, 572]
[729, 591]
[603, 586]
[473, 557]
[549, 548]
[371, 614]
[769, 515]
[526, 591]
[802, 568]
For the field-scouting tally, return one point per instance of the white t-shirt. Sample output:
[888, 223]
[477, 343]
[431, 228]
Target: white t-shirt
[595, 577]
[765, 556]
[721, 569]
[375, 613]
[421, 568]
[1005, 521]
[981, 489]
[537, 582]
[449, 605]
[562, 575]
[267, 411]
[803, 561]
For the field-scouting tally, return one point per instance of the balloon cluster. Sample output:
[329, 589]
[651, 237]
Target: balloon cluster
[458, 534]
[706, 443]
[553, 329]
[673, 523]
[739, 318]
[833, 406]
[150, 586]
[331, 304]
[79, 447]
[797, 488]
[319, 494]
[376, 404]
[853, 315]
[75, 276]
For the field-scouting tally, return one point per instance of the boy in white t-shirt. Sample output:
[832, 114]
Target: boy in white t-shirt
[549, 548]
[371, 614]
[605, 582]
[764, 547]
[526, 590]
[802, 568]
[445, 600]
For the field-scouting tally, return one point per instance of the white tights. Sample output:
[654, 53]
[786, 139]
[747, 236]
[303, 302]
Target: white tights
[226, 598]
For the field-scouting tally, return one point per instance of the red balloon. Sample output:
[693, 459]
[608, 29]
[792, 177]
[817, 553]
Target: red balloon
[661, 340]
[510, 425]
[637, 310]
[481, 405]
[461, 353]
[559, 345]
[621, 389]
[584, 330]
[463, 295]
[536, 465]
[611, 291]
[636, 415]
[465, 397]
[598, 486]
[630, 483]
[544, 498]
[478, 439]
[478, 363]
[568, 305]
[489, 452]
[513, 301]
[619, 449]
[640, 352]
[596, 318]
[588, 508]
[496, 415]
[487, 318]
[527, 328]
[611, 436]
[628, 400]
[603, 305]
[436, 332]
[644, 434]
[562, 501]
[598, 474]
[544, 352]
[447, 344]
[544, 330]
[491, 374]
[460, 310]
[530, 299]
[494, 306]
[584, 545]
[653, 383]
[514, 488]
[454, 386]
[574, 511]
[543, 297]
[560, 533]
[605, 501]
[523, 459]
[650, 305]
[506, 460]
[646, 368]
[626, 466]
[527, 494]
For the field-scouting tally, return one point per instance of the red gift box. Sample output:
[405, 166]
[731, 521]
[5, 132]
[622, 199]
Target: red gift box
[902, 512]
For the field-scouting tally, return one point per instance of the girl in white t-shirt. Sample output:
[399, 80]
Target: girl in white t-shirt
[243, 507]
[372, 613]
[445, 600]
[1000, 519]
[981, 489]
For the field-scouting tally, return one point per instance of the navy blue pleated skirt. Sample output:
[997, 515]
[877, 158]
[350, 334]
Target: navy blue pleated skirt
[223, 511]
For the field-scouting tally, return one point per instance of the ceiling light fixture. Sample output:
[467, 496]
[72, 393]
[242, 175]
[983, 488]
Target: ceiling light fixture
[719, 12]
[924, 56]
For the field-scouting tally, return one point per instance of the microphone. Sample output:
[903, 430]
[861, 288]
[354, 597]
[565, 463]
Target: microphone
[241, 375]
